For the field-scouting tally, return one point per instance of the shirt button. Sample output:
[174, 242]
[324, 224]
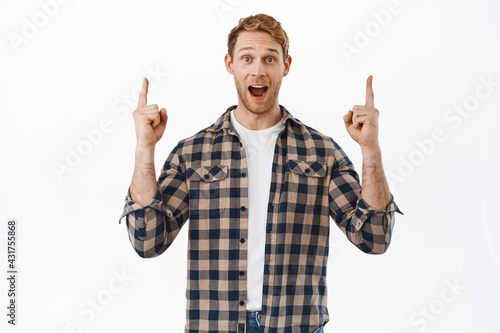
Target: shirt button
[242, 240]
[242, 273]
[308, 170]
[206, 176]
[242, 303]
[243, 208]
[243, 174]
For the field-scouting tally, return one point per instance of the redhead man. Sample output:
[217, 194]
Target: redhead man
[258, 187]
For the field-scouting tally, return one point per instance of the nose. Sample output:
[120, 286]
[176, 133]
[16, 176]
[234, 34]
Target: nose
[258, 69]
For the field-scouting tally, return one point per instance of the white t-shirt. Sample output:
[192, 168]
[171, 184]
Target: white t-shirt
[259, 148]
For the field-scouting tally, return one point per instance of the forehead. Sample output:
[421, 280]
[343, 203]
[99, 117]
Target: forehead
[258, 40]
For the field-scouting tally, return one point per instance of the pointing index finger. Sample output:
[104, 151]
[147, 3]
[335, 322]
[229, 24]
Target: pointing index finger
[369, 92]
[143, 97]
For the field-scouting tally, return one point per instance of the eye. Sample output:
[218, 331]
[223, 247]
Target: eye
[246, 59]
[270, 60]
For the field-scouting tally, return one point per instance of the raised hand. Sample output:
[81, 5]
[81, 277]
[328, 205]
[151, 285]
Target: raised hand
[362, 121]
[149, 122]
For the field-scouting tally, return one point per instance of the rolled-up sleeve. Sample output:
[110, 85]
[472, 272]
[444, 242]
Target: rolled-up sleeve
[367, 228]
[154, 226]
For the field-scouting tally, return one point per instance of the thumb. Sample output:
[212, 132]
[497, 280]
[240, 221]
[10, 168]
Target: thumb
[348, 118]
[163, 116]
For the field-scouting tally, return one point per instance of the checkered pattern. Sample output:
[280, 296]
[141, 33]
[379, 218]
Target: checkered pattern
[205, 179]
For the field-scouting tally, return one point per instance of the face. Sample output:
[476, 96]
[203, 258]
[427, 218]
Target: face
[258, 69]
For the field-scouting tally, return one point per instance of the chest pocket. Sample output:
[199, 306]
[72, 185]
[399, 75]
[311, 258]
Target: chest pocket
[305, 184]
[208, 190]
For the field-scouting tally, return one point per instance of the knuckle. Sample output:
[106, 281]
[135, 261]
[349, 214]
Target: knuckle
[139, 113]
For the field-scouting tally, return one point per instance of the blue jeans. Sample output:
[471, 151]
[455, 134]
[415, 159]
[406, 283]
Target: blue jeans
[253, 323]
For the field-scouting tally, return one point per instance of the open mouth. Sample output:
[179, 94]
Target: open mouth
[258, 91]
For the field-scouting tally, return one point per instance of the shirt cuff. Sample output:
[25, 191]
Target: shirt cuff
[364, 211]
[132, 206]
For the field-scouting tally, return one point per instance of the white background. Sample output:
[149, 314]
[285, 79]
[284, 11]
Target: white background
[80, 65]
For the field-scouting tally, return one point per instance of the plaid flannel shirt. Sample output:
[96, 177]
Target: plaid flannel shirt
[205, 179]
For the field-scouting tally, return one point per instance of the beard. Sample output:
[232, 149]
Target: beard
[258, 107]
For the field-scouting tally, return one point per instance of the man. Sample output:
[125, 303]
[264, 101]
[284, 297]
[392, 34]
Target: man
[258, 187]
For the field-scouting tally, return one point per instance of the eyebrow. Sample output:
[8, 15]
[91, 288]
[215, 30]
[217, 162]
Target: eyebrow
[251, 48]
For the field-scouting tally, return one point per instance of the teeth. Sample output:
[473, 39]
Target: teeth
[258, 86]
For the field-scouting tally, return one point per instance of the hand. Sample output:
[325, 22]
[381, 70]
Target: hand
[362, 121]
[149, 122]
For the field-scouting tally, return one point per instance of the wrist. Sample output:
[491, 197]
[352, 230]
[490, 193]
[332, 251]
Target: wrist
[145, 153]
[371, 151]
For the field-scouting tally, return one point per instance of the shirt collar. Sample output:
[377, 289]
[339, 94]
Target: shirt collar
[224, 121]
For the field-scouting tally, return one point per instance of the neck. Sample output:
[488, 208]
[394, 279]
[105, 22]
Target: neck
[258, 121]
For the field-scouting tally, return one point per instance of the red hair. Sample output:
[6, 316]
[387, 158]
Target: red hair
[259, 22]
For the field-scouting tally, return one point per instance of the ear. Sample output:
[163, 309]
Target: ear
[288, 63]
[229, 63]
